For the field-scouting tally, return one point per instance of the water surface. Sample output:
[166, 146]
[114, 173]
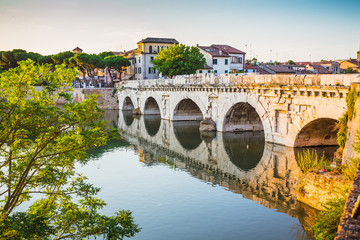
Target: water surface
[181, 184]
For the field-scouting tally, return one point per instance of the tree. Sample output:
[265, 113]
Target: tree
[103, 55]
[60, 58]
[9, 59]
[350, 70]
[252, 62]
[117, 63]
[178, 60]
[291, 62]
[39, 146]
[86, 63]
[45, 59]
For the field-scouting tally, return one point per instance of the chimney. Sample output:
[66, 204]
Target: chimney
[197, 45]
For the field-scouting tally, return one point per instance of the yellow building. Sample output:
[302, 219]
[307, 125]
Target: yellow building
[351, 63]
[141, 57]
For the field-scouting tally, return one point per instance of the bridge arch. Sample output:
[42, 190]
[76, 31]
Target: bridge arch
[316, 127]
[242, 117]
[128, 104]
[151, 107]
[319, 132]
[187, 110]
[253, 101]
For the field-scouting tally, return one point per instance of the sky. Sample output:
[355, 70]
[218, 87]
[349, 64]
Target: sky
[277, 30]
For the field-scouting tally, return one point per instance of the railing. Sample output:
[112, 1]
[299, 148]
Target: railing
[247, 79]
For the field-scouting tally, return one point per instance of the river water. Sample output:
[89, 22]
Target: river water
[181, 184]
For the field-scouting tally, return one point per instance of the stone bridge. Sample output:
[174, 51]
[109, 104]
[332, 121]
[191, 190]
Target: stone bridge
[292, 110]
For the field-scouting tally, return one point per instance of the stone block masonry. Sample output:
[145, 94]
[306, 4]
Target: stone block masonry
[107, 98]
[294, 110]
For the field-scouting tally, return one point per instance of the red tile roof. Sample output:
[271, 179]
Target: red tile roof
[260, 70]
[280, 69]
[228, 49]
[247, 66]
[320, 69]
[215, 52]
[302, 63]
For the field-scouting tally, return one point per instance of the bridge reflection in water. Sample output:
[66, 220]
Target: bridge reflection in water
[241, 162]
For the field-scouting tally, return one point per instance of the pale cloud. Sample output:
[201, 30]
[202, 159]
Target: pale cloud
[15, 10]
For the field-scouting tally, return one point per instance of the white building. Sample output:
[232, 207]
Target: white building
[222, 59]
[140, 58]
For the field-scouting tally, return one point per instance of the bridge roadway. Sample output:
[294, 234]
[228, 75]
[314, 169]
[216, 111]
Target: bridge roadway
[294, 111]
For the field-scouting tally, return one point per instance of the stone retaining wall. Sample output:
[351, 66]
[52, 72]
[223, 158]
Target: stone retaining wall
[349, 227]
[106, 100]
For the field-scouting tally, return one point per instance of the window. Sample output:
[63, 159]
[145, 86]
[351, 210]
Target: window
[151, 59]
[200, 71]
[234, 60]
[150, 49]
[240, 60]
[158, 48]
[208, 71]
[134, 60]
[139, 70]
[226, 71]
[226, 61]
[150, 70]
[214, 61]
[135, 71]
[215, 71]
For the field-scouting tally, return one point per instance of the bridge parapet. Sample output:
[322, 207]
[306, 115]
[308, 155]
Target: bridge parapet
[233, 79]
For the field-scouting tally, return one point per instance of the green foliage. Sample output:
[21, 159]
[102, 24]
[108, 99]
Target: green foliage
[103, 55]
[86, 63]
[350, 70]
[291, 62]
[343, 129]
[10, 59]
[40, 143]
[117, 63]
[328, 220]
[179, 60]
[348, 115]
[114, 92]
[309, 160]
[60, 58]
[252, 61]
[350, 102]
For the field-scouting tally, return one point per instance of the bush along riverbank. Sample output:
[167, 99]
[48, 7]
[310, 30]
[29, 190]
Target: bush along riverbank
[325, 186]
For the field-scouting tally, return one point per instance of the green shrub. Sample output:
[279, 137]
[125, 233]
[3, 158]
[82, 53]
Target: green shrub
[309, 160]
[328, 220]
[343, 130]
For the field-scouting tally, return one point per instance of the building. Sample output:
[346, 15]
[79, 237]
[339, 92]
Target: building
[332, 66]
[249, 68]
[317, 69]
[141, 57]
[351, 63]
[222, 59]
[77, 50]
[277, 69]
